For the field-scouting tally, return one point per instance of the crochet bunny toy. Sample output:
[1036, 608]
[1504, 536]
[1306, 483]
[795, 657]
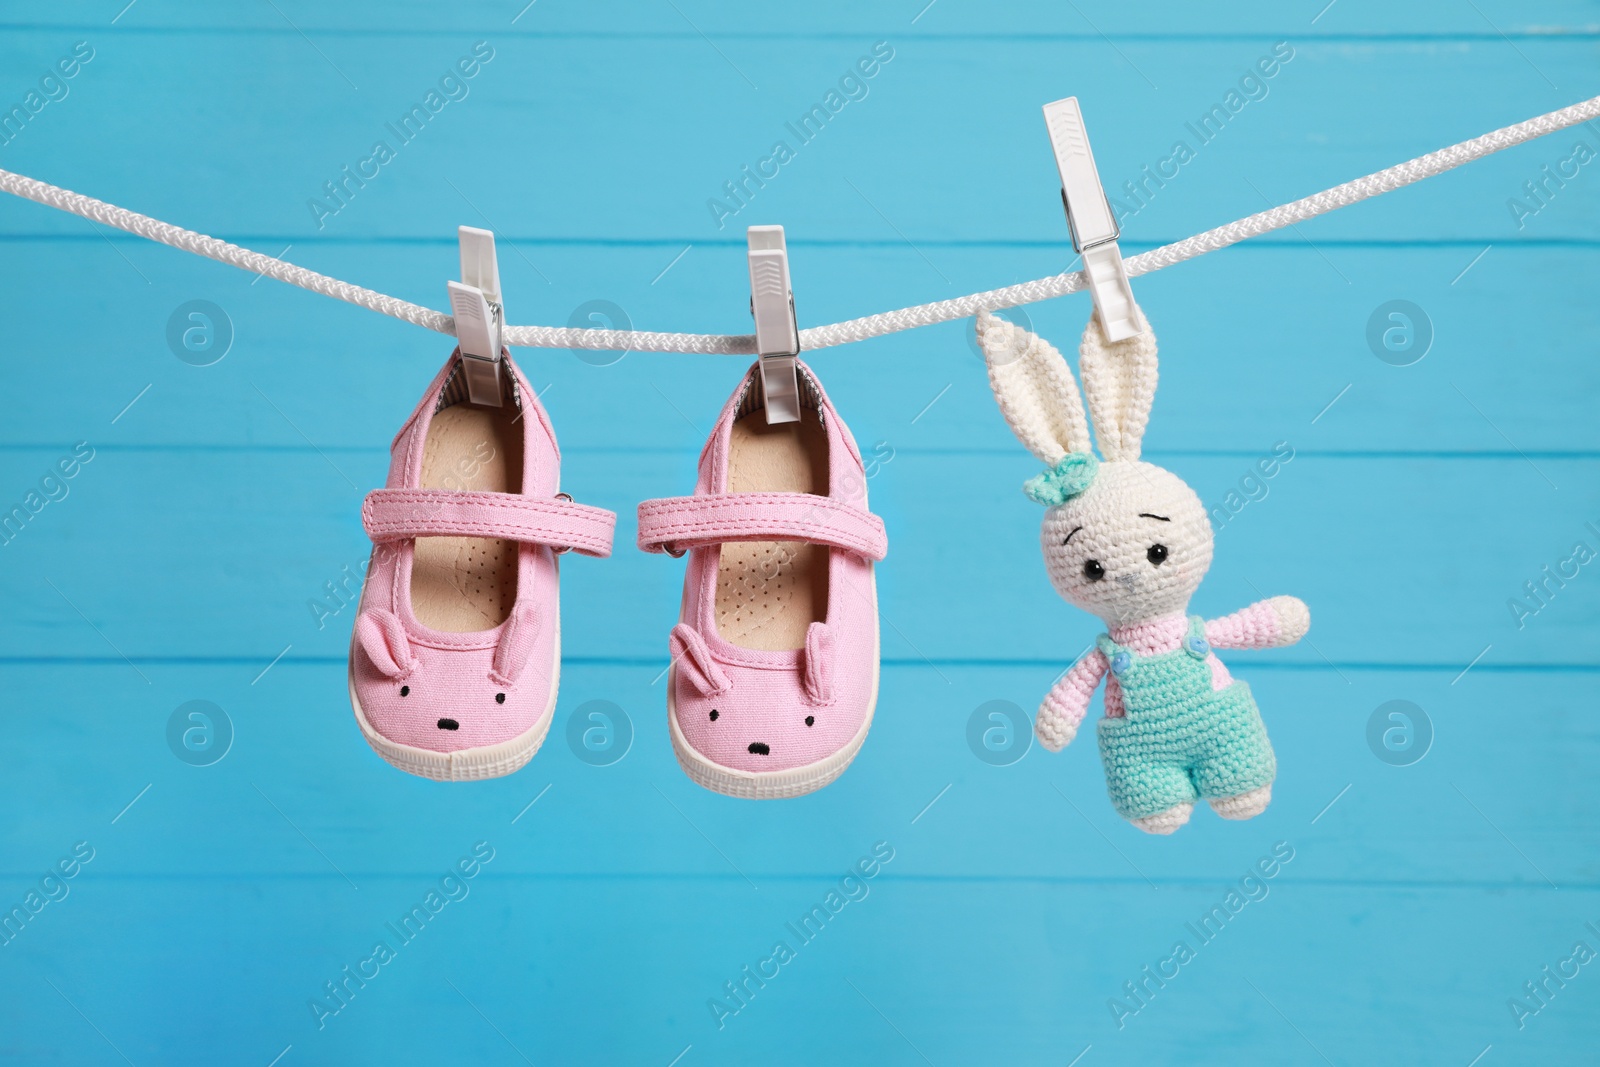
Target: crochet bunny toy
[1130, 542]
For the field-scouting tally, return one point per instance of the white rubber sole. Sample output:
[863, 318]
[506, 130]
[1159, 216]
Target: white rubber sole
[773, 785]
[468, 764]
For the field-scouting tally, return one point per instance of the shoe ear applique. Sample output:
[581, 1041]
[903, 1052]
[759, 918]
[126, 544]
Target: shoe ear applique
[818, 656]
[384, 641]
[515, 646]
[692, 657]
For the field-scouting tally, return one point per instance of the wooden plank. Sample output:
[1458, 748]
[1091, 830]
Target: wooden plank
[1420, 501]
[1246, 362]
[617, 163]
[1383, 880]
[194, 554]
[1166, 18]
[298, 797]
[1030, 984]
[1386, 875]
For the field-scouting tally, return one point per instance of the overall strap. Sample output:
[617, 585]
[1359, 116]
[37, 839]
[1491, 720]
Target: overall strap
[1119, 657]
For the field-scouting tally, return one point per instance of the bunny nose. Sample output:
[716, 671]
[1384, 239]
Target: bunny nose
[1127, 581]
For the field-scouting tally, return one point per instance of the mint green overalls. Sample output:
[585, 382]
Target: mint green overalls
[1178, 738]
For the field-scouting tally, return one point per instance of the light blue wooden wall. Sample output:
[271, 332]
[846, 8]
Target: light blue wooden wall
[179, 565]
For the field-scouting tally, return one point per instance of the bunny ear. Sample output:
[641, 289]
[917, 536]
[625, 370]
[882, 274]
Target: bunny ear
[1034, 388]
[515, 646]
[383, 639]
[1119, 379]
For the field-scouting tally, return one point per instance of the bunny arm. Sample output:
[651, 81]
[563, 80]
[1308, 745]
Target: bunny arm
[1270, 623]
[1064, 706]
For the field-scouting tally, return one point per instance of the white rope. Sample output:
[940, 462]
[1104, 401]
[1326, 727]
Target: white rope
[1265, 222]
[818, 336]
[221, 251]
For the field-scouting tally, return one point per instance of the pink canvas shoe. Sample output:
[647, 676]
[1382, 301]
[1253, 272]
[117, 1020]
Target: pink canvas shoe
[775, 656]
[457, 647]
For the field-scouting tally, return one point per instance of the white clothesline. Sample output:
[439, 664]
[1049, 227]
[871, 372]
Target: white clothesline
[818, 336]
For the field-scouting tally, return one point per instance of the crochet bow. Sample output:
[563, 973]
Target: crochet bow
[1070, 476]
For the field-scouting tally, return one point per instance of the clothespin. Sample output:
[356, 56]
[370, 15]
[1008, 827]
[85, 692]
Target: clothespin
[480, 317]
[1094, 226]
[777, 331]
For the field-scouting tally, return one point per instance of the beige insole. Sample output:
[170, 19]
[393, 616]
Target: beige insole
[769, 592]
[464, 584]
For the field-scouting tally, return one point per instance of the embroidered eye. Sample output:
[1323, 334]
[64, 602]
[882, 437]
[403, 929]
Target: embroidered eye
[405, 690]
[1092, 570]
[1157, 555]
[499, 698]
[810, 720]
[713, 714]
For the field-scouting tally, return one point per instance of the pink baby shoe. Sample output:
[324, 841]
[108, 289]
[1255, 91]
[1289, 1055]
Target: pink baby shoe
[457, 648]
[775, 656]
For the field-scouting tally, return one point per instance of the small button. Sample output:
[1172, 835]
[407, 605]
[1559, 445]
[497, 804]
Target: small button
[1120, 663]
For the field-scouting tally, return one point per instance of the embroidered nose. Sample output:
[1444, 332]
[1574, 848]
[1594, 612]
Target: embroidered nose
[449, 724]
[1127, 581]
[759, 748]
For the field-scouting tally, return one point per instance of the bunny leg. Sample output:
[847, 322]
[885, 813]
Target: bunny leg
[1234, 763]
[1245, 805]
[1166, 822]
[1150, 786]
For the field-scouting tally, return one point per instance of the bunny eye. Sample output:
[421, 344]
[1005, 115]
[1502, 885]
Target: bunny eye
[1092, 570]
[1157, 555]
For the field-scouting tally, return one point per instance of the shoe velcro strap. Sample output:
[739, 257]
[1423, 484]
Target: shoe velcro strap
[676, 524]
[401, 514]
